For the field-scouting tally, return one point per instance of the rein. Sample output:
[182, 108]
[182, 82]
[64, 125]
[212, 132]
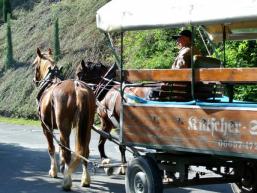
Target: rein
[100, 88]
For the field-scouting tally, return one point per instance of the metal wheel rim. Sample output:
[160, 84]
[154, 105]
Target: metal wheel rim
[140, 184]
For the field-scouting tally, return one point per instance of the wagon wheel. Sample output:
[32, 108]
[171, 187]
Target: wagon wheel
[143, 176]
[248, 182]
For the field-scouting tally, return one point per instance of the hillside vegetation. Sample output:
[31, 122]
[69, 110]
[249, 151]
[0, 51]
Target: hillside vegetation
[32, 27]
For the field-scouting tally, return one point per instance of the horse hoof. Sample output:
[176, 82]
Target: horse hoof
[67, 183]
[85, 185]
[85, 180]
[108, 171]
[66, 188]
[121, 171]
[52, 174]
[106, 161]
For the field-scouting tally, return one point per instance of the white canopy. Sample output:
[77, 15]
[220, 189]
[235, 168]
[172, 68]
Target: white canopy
[123, 15]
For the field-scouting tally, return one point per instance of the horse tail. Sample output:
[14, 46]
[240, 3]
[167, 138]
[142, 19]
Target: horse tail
[85, 117]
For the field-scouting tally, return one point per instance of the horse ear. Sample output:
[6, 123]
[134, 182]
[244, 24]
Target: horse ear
[49, 51]
[39, 53]
[83, 64]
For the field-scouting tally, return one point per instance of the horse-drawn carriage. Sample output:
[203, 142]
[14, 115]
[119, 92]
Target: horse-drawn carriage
[216, 132]
[167, 138]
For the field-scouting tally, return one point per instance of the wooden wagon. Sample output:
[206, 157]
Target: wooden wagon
[220, 134]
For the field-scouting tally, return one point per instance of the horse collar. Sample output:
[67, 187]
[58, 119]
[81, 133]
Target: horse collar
[42, 88]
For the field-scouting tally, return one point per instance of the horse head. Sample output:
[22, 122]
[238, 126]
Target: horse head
[43, 63]
[97, 73]
[90, 72]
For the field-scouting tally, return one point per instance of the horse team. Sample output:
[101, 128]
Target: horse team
[67, 104]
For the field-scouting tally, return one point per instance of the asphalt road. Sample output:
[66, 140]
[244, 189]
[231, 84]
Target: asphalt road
[24, 165]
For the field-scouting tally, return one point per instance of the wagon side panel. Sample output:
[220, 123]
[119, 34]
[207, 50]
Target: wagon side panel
[220, 131]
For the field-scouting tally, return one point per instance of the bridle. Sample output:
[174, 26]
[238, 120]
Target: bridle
[51, 74]
[106, 82]
[37, 61]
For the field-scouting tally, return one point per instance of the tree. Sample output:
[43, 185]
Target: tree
[1, 8]
[56, 41]
[8, 58]
[149, 49]
[240, 54]
[6, 9]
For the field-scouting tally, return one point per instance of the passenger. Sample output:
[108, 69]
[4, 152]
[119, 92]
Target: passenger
[183, 60]
[184, 40]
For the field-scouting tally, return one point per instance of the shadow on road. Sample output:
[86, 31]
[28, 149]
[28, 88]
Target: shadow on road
[24, 170]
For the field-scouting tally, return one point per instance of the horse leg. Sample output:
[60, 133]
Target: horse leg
[62, 162]
[51, 151]
[82, 149]
[123, 159]
[65, 158]
[65, 155]
[83, 135]
[67, 182]
[85, 179]
[101, 143]
[106, 126]
[122, 152]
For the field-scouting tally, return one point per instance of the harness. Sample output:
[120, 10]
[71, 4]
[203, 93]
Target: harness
[47, 81]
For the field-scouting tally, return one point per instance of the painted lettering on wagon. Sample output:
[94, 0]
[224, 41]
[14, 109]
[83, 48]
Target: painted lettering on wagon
[213, 125]
[247, 145]
[253, 127]
[226, 128]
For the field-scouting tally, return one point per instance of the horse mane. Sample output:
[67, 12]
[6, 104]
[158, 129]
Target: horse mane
[95, 66]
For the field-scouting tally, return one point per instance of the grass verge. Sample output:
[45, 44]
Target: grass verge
[19, 121]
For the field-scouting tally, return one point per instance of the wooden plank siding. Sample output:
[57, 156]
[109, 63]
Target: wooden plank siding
[223, 75]
[215, 130]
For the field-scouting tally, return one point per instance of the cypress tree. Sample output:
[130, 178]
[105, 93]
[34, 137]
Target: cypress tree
[6, 9]
[1, 9]
[56, 41]
[8, 58]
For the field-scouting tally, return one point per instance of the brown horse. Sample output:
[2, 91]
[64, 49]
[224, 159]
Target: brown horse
[109, 98]
[64, 105]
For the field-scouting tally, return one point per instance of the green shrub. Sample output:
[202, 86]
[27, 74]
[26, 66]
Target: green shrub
[241, 54]
[149, 49]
